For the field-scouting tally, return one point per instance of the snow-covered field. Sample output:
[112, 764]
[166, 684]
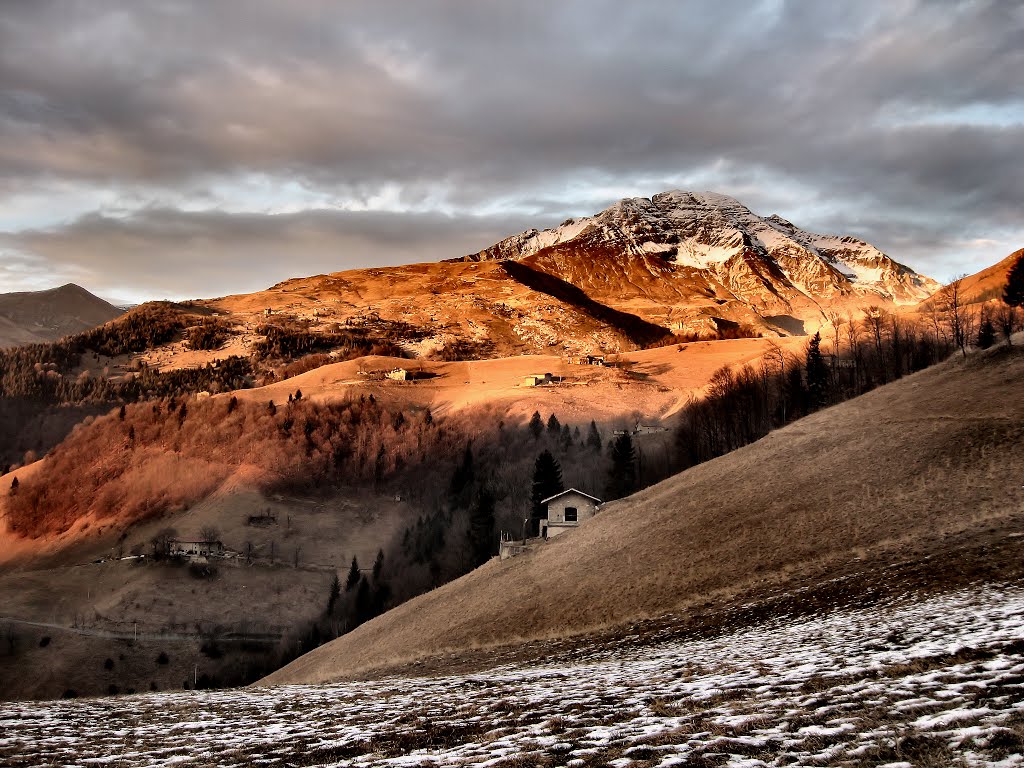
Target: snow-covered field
[935, 682]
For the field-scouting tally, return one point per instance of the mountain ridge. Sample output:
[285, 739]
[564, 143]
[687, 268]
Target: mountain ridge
[28, 317]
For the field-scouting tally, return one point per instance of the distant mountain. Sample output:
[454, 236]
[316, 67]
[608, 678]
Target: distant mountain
[630, 276]
[38, 316]
[672, 255]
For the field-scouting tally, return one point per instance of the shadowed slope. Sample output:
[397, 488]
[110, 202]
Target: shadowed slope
[636, 329]
[911, 468]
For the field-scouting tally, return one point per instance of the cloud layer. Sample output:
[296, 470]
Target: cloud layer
[197, 148]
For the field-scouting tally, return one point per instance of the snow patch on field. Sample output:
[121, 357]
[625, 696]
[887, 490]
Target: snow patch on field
[896, 684]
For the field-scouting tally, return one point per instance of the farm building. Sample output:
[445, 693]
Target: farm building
[398, 374]
[567, 510]
[196, 549]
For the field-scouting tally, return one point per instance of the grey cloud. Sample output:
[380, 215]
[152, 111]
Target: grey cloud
[485, 102]
[165, 253]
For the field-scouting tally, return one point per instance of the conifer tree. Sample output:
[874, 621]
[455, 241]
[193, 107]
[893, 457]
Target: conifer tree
[566, 436]
[1013, 293]
[594, 437]
[462, 478]
[378, 565]
[353, 576]
[817, 373]
[622, 474]
[986, 333]
[334, 594]
[536, 425]
[554, 426]
[481, 528]
[547, 481]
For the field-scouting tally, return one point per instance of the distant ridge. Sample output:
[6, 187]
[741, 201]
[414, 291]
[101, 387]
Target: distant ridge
[30, 317]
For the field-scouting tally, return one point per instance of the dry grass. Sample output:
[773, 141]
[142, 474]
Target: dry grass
[900, 472]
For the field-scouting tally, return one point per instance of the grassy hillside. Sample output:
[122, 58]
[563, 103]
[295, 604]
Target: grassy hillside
[909, 470]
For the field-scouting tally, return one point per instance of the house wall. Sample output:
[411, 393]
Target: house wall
[556, 522]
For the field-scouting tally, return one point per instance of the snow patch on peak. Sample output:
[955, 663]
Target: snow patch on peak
[716, 233]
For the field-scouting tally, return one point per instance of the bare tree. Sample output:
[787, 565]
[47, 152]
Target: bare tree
[1007, 320]
[161, 542]
[209, 534]
[835, 319]
[951, 303]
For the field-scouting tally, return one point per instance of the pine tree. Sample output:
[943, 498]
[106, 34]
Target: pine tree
[536, 425]
[378, 565]
[554, 425]
[1013, 293]
[547, 481]
[364, 602]
[353, 576]
[986, 333]
[462, 479]
[817, 373]
[14, 486]
[334, 594]
[481, 528]
[566, 436]
[594, 437]
[622, 474]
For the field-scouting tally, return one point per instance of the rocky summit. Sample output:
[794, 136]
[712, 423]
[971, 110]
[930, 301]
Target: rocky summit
[696, 259]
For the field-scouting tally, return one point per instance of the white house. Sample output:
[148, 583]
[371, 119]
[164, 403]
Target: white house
[567, 510]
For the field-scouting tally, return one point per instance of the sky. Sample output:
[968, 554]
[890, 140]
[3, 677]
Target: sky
[181, 150]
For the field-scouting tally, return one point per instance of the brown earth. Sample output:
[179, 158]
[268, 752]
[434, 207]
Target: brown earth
[913, 469]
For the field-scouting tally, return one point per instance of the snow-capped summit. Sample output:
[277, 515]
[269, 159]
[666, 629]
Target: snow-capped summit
[713, 238]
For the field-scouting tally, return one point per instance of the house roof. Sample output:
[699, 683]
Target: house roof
[570, 490]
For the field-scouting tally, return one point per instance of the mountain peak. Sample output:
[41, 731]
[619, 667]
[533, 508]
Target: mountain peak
[769, 260]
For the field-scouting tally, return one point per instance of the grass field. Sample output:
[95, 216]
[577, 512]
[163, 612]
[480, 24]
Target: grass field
[910, 470]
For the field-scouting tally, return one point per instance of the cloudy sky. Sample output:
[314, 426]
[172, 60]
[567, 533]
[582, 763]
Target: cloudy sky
[174, 149]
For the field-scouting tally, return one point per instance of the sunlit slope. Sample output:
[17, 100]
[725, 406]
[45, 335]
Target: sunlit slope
[907, 470]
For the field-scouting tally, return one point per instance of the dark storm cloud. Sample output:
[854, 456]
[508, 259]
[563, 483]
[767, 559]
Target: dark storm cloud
[474, 105]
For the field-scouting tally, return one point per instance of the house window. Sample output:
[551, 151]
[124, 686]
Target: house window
[570, 515]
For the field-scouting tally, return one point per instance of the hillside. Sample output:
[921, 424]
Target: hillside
[38, 316]
[630, 276]
[651, 383]
[987, 284]
[911, 470]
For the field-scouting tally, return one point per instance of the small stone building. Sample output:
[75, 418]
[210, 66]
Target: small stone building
[196, 549]
[567, 510]
[398, 374]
